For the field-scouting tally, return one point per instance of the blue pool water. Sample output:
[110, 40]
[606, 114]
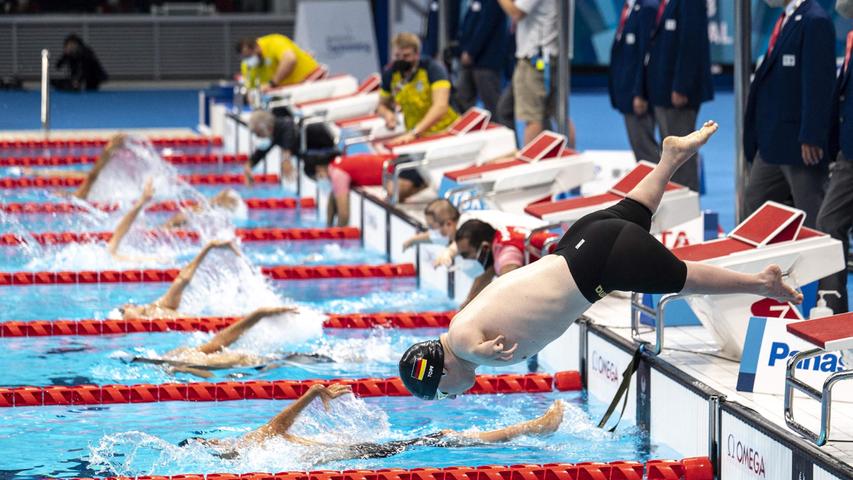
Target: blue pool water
[141, 439]
[44, 302]
[103, 359]
[58, 194]
[175, 254]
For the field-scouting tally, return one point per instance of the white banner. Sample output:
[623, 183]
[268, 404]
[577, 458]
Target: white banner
[768, 346]
[339, 34]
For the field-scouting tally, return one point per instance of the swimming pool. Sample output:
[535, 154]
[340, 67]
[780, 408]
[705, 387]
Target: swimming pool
[142, 439]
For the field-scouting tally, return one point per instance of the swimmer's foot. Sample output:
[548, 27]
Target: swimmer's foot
[676, 150]
[774, 287]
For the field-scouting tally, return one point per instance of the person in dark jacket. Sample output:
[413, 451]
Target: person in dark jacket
[483, 39]
[836, 212]
[787, 124]
[627, 92]
[678, 74]
[84, 69]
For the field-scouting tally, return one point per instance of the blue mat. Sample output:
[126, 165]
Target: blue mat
[110, 109]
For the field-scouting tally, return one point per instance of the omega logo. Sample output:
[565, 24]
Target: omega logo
[604, 367]
[746, 456]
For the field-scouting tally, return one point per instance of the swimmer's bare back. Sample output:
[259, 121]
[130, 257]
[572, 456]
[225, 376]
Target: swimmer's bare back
[529, 306]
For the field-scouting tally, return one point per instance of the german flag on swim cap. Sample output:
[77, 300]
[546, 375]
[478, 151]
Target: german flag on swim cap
[421, 368]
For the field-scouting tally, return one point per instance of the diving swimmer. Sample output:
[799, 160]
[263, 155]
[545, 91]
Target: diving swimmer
[213, 355]
[280, 425]
[521, 312]
[167, 305]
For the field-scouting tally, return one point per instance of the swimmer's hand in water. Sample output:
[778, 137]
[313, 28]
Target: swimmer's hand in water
[224, 244]
[494, 349]
[331, 392]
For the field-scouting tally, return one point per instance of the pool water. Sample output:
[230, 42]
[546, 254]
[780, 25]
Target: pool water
[176, 253]
[363, 295]
[141, 439]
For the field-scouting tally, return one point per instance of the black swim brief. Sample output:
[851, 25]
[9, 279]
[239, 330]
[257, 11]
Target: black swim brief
[383, 450]
[612, 249]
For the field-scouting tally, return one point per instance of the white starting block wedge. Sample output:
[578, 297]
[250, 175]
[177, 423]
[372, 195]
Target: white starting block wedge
[542, 168]
[774, 234]
[363, 101]
[470, 139]
[679, 203]
[833, 333]
[329, 87]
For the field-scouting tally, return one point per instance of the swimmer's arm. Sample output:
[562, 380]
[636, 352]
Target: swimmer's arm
[172, 298]
[477, 349]
[479, 284]
[282, 422]
[127, 221]
[83, 190]
[235, 331]
[178, 220]
[54, 172]
[386, 108]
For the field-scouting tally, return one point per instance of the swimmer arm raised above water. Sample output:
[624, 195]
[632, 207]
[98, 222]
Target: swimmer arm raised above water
[227, 199]
[116, 141]
[127, 221]
[167, 305]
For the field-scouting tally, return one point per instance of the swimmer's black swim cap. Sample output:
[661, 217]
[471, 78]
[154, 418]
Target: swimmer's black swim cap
[421, 368]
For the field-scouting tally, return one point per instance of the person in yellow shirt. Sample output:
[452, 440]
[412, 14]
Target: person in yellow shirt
[273, 61]
[419, 86]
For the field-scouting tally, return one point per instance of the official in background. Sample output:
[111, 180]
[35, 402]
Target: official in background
[536, 29]
[836, 212]
[786, 129]
[678, 74]
[483, 38]
[627, 92]
[274, 61]
[84, 69]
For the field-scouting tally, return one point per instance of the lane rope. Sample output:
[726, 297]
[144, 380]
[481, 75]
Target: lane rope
[165, 206]
[159, 142]
[174, 159]
[194, 179]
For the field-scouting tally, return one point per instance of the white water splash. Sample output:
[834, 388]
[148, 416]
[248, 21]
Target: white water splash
[348, 421]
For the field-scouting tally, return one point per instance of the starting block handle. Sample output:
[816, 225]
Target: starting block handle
[637, 309]
[399, 165]
[824, 396]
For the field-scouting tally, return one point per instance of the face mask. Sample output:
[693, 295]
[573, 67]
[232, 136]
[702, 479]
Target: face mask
[324, 186]
[844, 8]
[469, 267]
[252, 62]
[484, 256]
[263, 143]
[776, 3]
[435, 236]
[401, 66]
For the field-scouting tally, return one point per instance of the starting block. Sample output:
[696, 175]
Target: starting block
[363, 101]
[544, 167]
[833, 333]
[774, 234]
[679, 203]
[470, 139]
[329, 87]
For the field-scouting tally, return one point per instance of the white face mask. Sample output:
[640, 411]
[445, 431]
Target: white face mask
[252, 62]
[469, 267]
[263, 143]
[324, 186]
[776, 3]
[435, 236]
[844, 8]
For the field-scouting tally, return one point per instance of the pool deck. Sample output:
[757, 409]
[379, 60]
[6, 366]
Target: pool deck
[693, 351]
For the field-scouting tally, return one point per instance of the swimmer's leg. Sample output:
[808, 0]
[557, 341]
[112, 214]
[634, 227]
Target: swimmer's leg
[544, 425]
[711, 280]
[128, 219]
[172, 298]
[676, 151]
[342, 208]
[235, 331]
